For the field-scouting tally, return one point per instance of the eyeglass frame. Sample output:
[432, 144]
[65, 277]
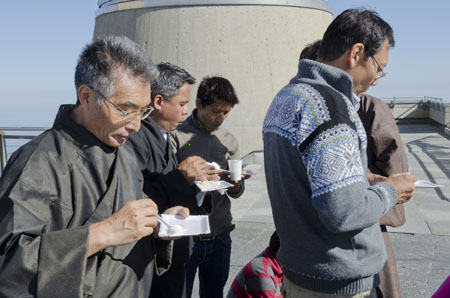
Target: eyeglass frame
[125, 114]
[380, 71]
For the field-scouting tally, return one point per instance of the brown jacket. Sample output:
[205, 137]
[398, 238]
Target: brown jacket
[386, 156]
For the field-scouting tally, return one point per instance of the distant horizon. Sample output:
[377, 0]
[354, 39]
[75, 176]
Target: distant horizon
[13, 145]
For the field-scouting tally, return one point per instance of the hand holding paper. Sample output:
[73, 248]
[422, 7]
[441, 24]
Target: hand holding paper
[206, 186]
[191, 225]
[404, 184]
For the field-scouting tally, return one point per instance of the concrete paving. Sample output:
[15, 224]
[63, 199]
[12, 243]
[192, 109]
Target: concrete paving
[421, 246]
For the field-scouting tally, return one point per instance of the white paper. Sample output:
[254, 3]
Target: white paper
[425, 184]
[200, 196]
[212, 185]
[245, 172]
[205, 186]
[192, 225]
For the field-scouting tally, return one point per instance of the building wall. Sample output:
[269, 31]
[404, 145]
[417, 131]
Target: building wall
[255, 46]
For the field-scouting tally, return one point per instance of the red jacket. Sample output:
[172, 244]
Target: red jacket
[261, 277]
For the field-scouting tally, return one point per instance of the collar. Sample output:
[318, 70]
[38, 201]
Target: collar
[149, 125]
[275, 265]
[310, 71]
[356, 101]
[80, 135]
[195, 122]
[163, 132]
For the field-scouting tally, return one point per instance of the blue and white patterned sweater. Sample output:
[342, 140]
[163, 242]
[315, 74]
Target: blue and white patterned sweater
[325, 212]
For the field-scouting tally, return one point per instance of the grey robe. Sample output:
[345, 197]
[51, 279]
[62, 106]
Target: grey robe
[52, 189]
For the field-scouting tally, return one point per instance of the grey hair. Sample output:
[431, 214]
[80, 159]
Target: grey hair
[170, 79]
[100, 60]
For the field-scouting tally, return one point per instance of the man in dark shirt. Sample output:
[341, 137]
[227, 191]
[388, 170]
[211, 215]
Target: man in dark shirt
[202, 134]
[166, 181]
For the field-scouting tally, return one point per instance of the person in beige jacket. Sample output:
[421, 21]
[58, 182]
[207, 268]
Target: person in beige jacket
[385, 156]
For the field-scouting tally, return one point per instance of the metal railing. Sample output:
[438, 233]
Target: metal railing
[433, 107]
[18, 133]
[435, 101]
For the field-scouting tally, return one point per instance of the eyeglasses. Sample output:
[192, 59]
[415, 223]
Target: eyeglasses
[126, 115]
[380, 72]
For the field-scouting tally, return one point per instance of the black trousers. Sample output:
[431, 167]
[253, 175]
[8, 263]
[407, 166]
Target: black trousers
[172, 284]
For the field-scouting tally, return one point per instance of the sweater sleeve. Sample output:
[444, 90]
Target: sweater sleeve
[341, 193]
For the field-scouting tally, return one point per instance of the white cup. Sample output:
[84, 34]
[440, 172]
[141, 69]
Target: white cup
[235, 167]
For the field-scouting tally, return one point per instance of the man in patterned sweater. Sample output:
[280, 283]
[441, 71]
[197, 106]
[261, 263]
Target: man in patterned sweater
[325, 212]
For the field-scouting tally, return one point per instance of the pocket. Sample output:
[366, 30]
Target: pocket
[225, 239]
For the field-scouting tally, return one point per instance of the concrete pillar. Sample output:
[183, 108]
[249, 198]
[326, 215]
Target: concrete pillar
[255, 44]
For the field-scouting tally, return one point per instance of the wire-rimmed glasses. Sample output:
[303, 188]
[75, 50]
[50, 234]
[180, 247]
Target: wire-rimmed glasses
[380, 72]
[126, 115]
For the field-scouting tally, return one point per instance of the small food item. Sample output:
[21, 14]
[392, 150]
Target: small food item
[175, 230]
[207, 184]
[214, 164]
[212, 185]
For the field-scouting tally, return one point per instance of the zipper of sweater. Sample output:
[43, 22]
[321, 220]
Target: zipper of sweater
[209, 148]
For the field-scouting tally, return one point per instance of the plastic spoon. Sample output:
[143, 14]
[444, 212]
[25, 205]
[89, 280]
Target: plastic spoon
[171, 229]
[215, 165]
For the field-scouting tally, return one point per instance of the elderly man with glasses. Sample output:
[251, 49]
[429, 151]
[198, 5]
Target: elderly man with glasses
[74, 221]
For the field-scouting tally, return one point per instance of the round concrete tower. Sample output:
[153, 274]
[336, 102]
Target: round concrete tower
[253, 43]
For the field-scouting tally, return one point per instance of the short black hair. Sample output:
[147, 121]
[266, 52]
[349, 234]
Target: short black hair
[355, 26]
[310, 51]
[170, 79]
[274, 244]
[216, 88]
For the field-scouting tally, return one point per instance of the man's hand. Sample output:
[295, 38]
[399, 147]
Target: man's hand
[195, 168]
[135, 220]
[404, 184]
[236, 186]
[374, 178]
[177, 210]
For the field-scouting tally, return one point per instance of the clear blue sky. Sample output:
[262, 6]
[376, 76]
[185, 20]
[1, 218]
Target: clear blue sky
[42, 39]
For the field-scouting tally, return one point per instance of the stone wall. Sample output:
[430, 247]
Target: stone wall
[255, 46]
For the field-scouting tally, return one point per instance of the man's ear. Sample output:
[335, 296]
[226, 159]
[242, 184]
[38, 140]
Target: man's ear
[198, 103]
[356, 54]
[158, 102]
[85, 95]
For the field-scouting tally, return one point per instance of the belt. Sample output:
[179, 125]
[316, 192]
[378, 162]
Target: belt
[210, 237]
[204, 238]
